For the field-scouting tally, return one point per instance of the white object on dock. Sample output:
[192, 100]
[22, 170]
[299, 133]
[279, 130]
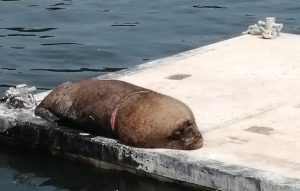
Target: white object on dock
[20, 97]
[268, 29]
[84, 134]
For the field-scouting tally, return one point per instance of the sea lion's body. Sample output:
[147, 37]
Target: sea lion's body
[134, 115]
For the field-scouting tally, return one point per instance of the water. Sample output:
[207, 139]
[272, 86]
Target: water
[46, 42]
[28, 171]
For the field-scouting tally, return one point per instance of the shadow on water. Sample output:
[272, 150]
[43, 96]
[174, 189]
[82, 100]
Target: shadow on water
[30, 171]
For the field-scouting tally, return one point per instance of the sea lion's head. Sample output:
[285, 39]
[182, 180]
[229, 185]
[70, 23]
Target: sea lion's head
[150, 120]
[186, 136]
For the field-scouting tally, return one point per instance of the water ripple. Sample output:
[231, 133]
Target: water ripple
[61, 43]
[209, 7]
[21, 35]
[290, 19]
[54, 8]
[58, 4]
[133, 24]
[6, 86]
[4, 68]
[21, 29]
[103, 11]
[18, 47]
[33, 5]
[79, 70]
[45, 36]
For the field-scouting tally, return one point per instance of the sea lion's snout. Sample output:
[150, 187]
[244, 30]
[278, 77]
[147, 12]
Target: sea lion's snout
[187, 136]
[192, 138]
[196, 144]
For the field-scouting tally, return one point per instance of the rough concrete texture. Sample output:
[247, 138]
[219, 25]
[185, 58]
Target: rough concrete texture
[243, 93]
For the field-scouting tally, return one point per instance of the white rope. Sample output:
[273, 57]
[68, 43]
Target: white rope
[267, 29]
[20, 97]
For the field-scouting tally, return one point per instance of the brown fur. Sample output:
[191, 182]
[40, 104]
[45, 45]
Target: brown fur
[143, 118]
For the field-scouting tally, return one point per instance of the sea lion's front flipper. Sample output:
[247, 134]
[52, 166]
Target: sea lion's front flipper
[46, 114]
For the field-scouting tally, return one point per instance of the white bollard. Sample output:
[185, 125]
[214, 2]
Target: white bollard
[270, 21]
[268, 29]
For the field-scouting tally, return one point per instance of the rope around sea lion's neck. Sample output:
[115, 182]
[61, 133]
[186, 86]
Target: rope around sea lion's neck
[115, 111]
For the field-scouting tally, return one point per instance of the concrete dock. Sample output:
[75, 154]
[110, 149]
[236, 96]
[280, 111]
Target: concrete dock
[244, 95]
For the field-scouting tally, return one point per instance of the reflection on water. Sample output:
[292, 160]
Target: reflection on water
[28, 171]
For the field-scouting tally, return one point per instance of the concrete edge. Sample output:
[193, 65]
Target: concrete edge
[179, 56]
[25, 129]
[167, 60]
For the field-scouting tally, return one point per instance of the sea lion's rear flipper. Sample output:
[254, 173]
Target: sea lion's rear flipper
[46, 114]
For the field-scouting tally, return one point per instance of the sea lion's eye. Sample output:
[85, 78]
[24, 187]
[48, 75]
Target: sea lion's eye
[176, 135]
[187, 123]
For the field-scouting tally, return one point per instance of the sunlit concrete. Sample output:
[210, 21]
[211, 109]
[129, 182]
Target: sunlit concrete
[244, 93]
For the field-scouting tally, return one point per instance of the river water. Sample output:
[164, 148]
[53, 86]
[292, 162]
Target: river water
[46, 42]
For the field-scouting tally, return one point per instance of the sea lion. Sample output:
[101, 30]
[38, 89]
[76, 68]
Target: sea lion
[134, 115]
